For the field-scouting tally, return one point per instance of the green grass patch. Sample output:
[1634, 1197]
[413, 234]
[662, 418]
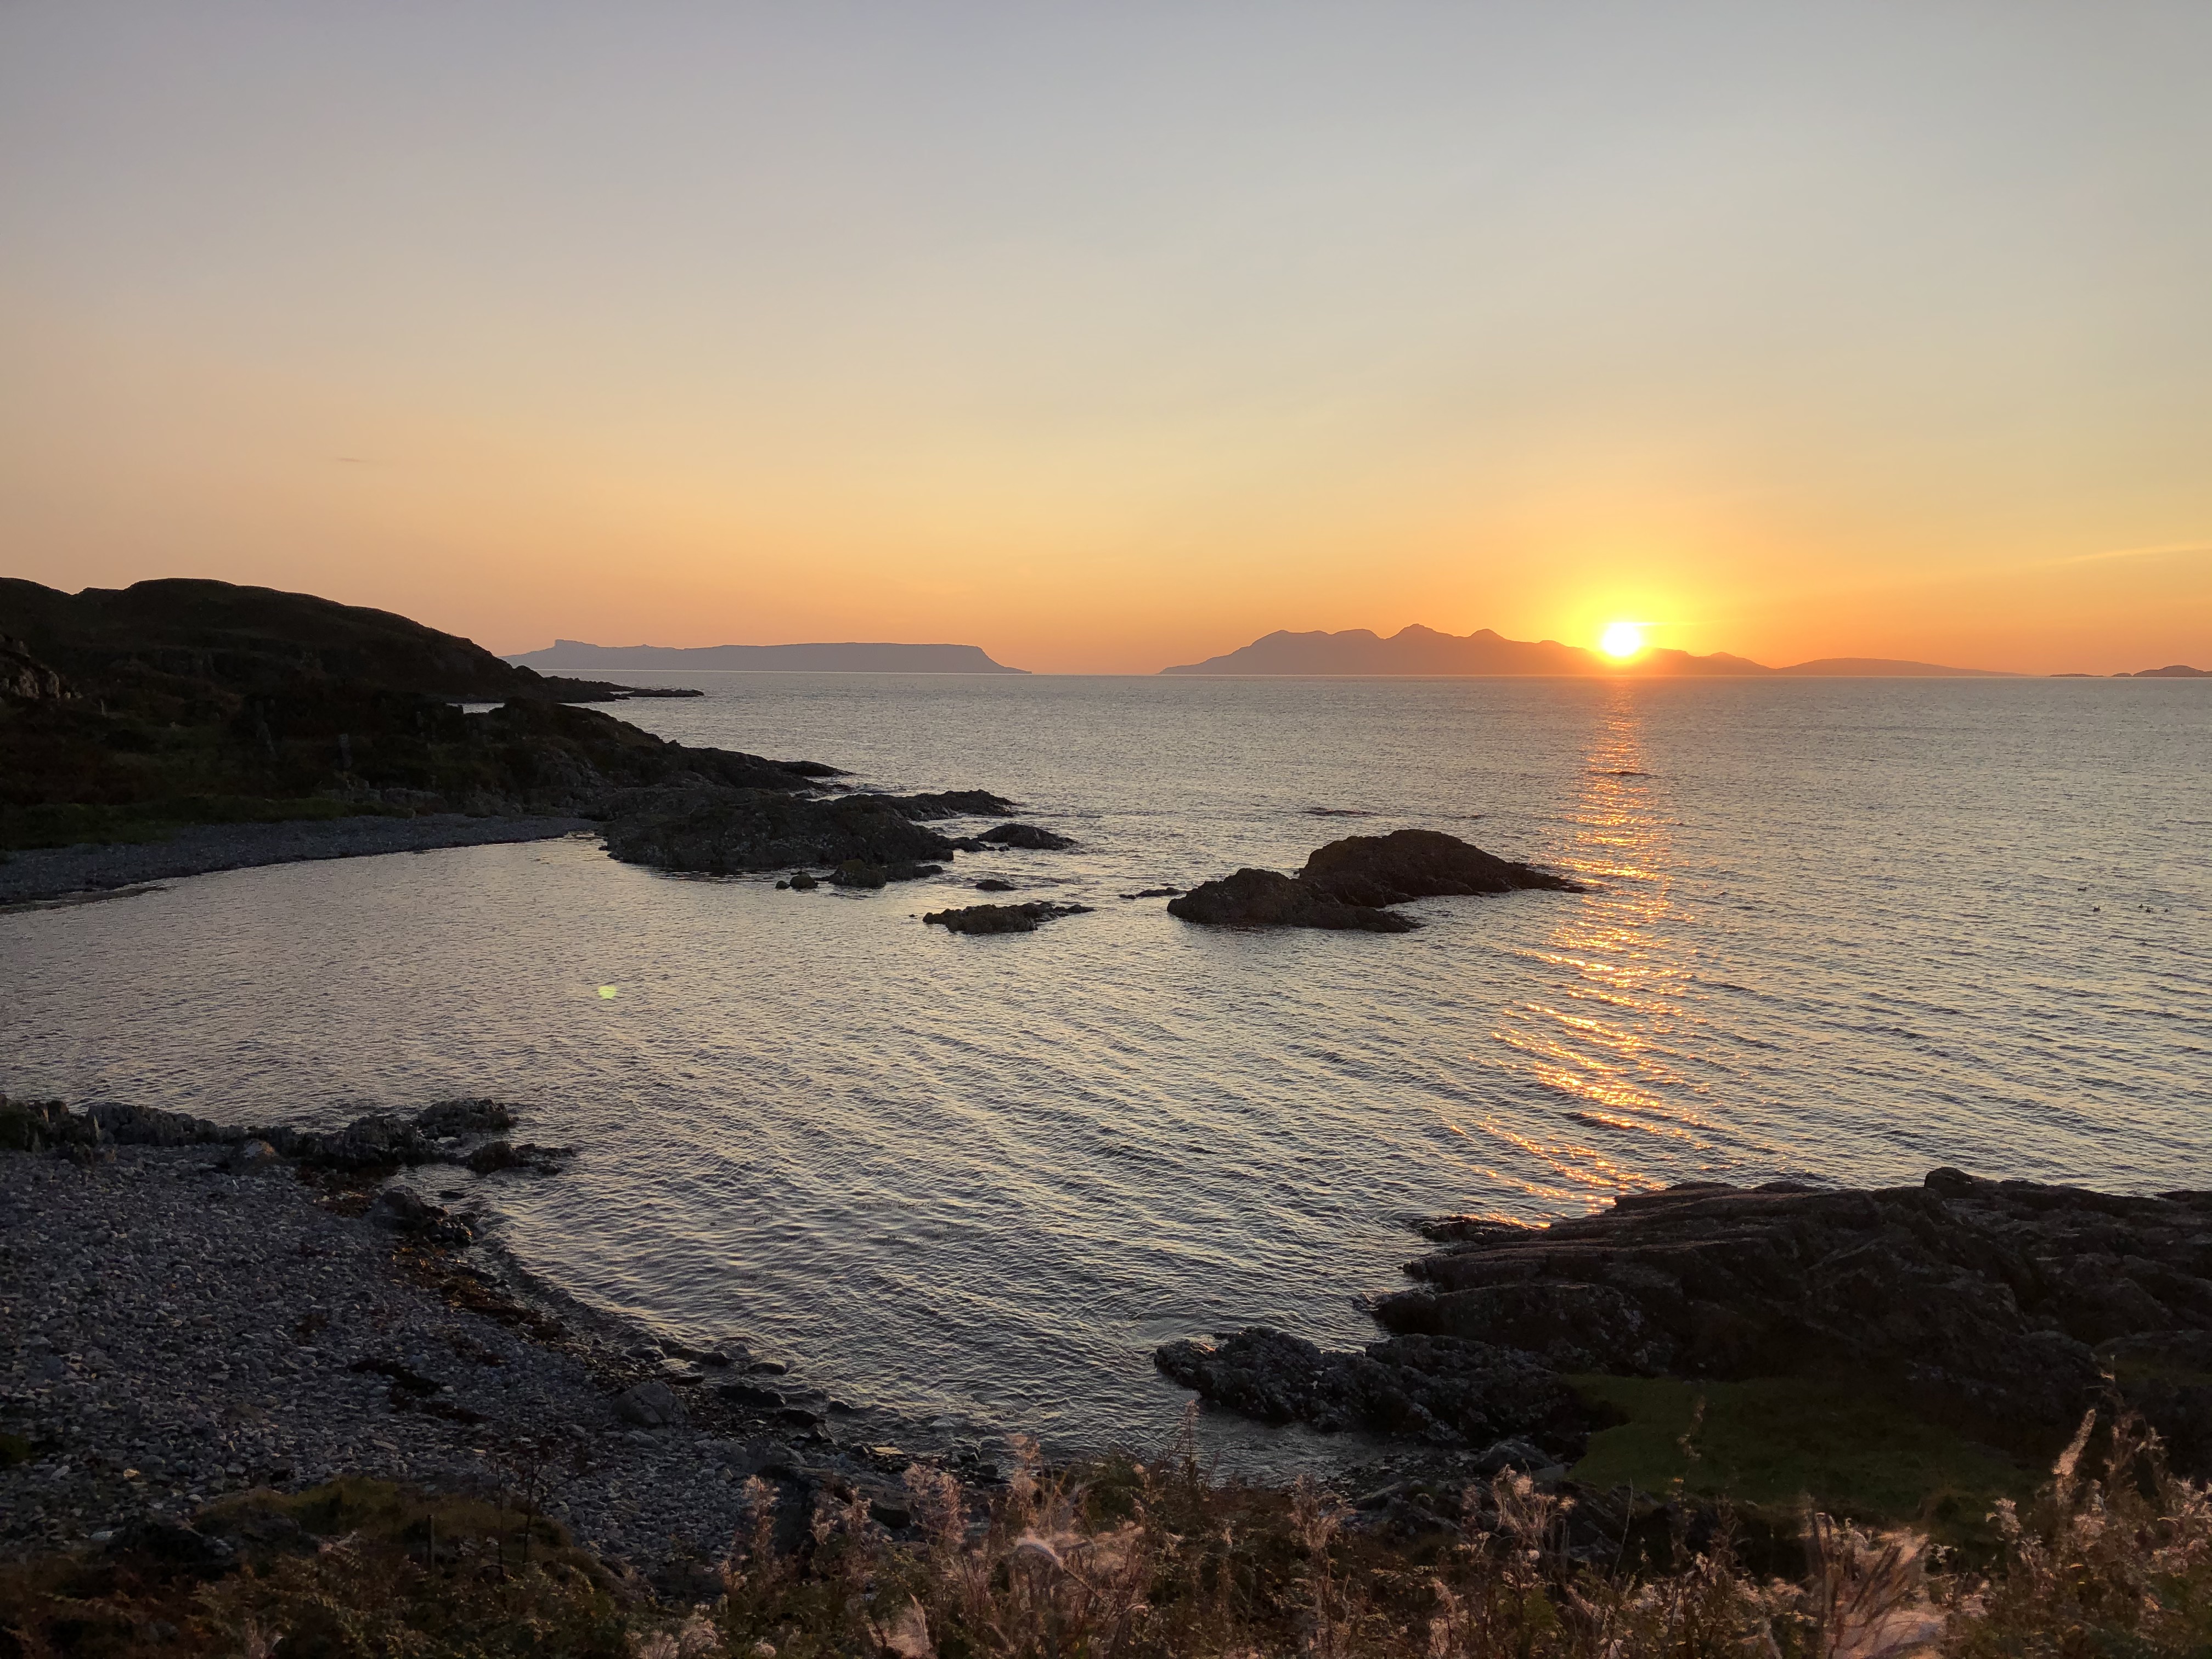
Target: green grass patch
[1771, 1442]
[69, 824]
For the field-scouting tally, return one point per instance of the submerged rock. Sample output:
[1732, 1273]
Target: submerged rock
[1346, 885]
[858, 872]
[1027, 836]
[1995, 1307]
[1001, 918]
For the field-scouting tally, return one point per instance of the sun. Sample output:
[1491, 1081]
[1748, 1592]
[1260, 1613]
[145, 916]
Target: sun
[1621, 640]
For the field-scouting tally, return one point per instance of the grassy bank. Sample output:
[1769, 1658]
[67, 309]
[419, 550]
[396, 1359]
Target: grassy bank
[2113, 1557]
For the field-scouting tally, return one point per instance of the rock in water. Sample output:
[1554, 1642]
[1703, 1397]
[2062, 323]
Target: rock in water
[1001, 918]
[1025, 835]
[1411, 864]
[1265, 898]
[729, 831]
[1346, 885]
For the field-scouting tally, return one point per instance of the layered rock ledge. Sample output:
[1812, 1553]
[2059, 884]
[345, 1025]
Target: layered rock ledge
[2004, 1308]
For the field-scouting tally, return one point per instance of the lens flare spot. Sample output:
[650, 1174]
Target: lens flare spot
[607, 991]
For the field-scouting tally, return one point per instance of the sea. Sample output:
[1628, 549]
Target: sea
[1836, 932]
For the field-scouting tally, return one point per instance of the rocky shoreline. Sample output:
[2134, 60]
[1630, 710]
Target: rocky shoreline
[2005, 1310]
[52, 872]
[181, 1323]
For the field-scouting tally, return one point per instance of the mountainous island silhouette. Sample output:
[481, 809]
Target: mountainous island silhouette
[1416, 650]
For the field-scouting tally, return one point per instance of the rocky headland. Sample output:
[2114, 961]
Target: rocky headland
[1347, 884]
[2002, 1308]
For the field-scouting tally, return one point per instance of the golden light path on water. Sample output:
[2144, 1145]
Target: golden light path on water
[1622, 972]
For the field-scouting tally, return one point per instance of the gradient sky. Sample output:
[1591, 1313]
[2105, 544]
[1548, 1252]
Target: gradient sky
[1112, 335]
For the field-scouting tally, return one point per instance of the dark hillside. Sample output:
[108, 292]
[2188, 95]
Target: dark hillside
[125, 713]
[158, 636]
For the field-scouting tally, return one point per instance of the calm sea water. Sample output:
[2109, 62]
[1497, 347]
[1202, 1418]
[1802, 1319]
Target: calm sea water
[1839, 931]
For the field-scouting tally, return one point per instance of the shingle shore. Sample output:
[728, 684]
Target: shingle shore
[47, 872]
[171, 1332]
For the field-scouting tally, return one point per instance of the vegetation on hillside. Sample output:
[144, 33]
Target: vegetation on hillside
[124, 714]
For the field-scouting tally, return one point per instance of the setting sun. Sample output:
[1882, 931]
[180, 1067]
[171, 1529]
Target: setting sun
[1621, 639]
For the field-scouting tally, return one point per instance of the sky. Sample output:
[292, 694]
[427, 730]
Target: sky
[1112, 336]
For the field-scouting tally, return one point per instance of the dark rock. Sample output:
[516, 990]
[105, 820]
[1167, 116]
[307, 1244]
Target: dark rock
[1025, 835]
[993, 884]
[1001, 918]
[1344, 884]
[856, 872]
[529, 1157]
[811, 769]
[802, 883]
[951, 804]
[388, 1141]
[1153, 893]
[1411, 864]
[1992, 1306]
[755, 1394]
[650, 1406]
[1263, 898]
[408, 1213]
[729, 831]
[1442, 1389]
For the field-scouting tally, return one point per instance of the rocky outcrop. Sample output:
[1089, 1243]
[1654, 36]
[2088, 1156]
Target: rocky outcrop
[2001, 1307]
[1346, 885]
[1436, 1389]
[381, 1141]
[729, 831]
[1000, 918]
[24, 678]
[859, 872]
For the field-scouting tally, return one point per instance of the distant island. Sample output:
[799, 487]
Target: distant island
[847, 659]
[1424, 651]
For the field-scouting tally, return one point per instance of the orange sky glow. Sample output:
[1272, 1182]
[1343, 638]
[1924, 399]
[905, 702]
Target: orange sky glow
[1114, 339]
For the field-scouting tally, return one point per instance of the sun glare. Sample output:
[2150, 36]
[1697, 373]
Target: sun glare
[1621, 639]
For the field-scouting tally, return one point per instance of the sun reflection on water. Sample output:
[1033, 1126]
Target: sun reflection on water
[1600, 1036]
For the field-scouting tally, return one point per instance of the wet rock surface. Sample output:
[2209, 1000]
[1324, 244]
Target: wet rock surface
[1346, 885]
[2004, 1308]
[1001, 918]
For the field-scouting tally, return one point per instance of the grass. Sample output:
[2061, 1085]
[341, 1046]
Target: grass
[69, 824]
[1781, 1442]
[1120, 1559]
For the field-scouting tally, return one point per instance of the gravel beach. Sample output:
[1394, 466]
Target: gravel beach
[172, 1330]
[50, 873]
